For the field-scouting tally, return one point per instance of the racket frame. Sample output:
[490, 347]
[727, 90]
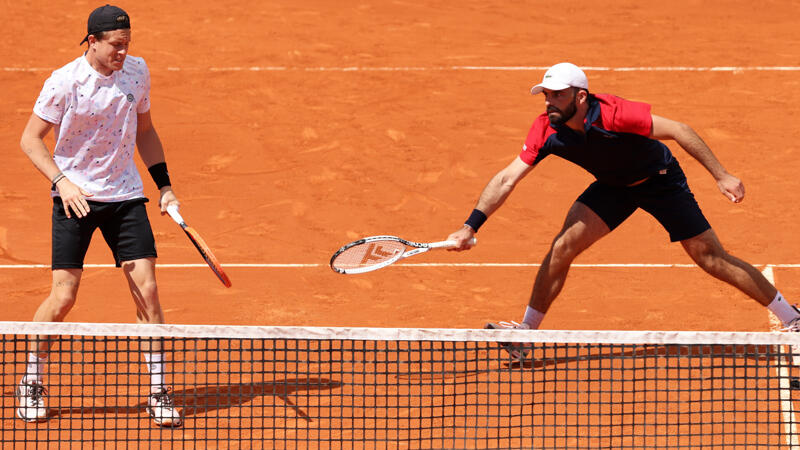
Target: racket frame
[200, 245]
[419, 247]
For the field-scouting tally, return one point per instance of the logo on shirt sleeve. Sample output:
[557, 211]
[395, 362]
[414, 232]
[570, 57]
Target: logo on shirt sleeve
[130, 98]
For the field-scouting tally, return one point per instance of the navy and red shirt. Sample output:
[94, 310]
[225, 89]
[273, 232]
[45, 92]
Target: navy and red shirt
[615, 148]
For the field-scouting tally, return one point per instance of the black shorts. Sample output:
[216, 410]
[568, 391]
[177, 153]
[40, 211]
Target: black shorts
[124, 225]
[664, 196]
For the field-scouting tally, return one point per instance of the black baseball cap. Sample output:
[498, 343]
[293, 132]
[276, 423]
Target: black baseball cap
[107, 18]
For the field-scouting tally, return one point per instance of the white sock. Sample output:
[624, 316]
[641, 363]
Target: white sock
[155, 364]
[783, 310]
[35, 368]
[533, 318]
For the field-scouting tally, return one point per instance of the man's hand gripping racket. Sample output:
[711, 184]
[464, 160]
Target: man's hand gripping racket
[376, 252]
[200, 245]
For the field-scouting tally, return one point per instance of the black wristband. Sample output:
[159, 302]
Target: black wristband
[160, 175]
[476, 219]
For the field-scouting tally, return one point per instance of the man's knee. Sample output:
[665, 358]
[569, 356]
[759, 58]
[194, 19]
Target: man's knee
[60, 303]
[573, 240]
[563, 250]
[707, 253]
[148, 290]
[711, 262]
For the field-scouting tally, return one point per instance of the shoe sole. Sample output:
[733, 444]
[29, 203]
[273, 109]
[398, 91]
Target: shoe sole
[29, 420]
[165, 421]
[511, 348]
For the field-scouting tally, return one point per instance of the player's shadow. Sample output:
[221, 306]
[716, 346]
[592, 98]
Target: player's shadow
[202, 399]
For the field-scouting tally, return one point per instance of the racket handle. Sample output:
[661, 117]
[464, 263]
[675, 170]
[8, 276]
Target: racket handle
[172, 210]
[449, 244]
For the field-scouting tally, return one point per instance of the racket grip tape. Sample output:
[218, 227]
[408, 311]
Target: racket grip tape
[172, 210]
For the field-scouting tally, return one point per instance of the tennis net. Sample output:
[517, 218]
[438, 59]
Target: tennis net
[290, 387]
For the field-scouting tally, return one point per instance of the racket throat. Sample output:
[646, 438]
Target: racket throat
[376, 252]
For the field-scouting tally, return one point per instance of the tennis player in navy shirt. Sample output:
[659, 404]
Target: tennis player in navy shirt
[619, 142]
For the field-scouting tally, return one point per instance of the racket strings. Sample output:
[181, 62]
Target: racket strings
[367, 254]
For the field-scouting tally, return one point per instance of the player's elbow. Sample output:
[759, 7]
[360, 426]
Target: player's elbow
[507, 184]
[679, 131]
[683, 129]
[508, 179]
[27, 142]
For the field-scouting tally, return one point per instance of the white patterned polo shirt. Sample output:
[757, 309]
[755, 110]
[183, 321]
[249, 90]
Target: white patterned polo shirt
[95, 125]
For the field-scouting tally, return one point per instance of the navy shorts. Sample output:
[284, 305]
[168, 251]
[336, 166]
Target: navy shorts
[124, 225]
[664, 196]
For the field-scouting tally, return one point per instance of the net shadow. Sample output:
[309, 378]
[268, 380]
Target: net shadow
[766, 353]
[576, 353]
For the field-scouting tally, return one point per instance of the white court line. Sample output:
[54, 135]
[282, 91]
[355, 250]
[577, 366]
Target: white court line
[787, 405]
[732, 69]
[313, 265]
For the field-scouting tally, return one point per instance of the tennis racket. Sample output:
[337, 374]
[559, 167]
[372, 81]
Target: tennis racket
[200, 245]
[376, 252]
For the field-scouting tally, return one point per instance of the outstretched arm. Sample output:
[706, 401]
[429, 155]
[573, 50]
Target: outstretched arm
[492, 197]
[685, 136]
[152, 153]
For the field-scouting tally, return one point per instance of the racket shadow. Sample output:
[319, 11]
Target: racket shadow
[205, 399]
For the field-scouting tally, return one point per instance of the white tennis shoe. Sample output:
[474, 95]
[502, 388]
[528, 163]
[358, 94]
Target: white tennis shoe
[516, 350]
[32, 404]
[162, 410]
[793, 326]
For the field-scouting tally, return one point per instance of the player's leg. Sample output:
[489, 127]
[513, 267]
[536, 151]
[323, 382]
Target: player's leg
[706, 250]
[130, 238]
[31, 392]
[70, 240]
[140, 275]
[668, 198]
[141, 278]
[597, 211]
[128, 234]
[582, 228]
[55, 307]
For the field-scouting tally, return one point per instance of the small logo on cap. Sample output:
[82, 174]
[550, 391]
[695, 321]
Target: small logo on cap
[122, 18]
[130, 98]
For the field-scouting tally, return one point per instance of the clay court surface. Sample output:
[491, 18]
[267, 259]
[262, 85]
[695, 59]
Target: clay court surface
[293, 128]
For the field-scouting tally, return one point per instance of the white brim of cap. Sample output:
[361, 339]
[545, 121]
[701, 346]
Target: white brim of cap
[552, 85]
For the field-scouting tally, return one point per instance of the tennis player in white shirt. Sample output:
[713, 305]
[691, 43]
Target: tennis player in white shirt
[98, 107]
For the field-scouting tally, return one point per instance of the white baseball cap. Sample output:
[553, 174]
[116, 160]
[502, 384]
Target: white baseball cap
[562, 76]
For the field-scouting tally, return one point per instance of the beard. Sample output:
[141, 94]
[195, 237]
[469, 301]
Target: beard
[558, 117]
